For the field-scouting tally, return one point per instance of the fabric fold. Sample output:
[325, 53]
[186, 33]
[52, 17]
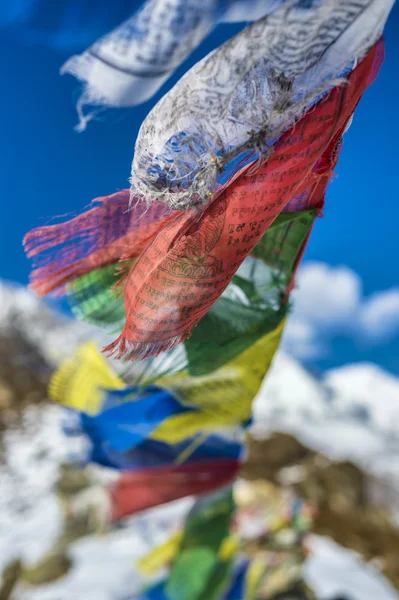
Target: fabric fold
[194, 258]
[112, 230]
[134, 492]
[232, 106]
[82, 380]
[131, 63]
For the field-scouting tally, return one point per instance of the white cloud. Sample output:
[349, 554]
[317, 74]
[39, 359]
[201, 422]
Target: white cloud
[380, 315]
[328, 301]
[300, 340]
[326, 296]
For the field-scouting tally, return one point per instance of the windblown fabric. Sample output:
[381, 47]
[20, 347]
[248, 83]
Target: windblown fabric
[133, 417]
[261, 556]
[253, 304]
[96, 299]
[82, 380]
[135, 492]
[131, 63]
[256, 301]
[113, 232]
[105, 234]
[235, 103]
[95, 296]
[163, 555]
[151, 453]
[198, 572]
[183, 262]
[224, 396]
[191, 262]
[179, 407]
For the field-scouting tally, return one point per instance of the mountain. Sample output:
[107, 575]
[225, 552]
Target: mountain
[368, 393]
[54, 334]
[349, 413]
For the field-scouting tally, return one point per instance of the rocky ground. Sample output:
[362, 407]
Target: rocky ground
[345, 497]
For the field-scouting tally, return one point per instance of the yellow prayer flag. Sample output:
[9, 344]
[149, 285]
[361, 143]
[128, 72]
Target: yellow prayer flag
[79, 381]
[224, 397]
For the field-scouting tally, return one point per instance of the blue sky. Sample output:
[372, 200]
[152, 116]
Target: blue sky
[47, 169]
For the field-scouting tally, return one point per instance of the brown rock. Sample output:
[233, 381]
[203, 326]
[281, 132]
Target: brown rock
[267, 457]
[10, 577]
[54, 565]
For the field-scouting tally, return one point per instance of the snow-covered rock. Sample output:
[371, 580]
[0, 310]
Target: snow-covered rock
[351, 413]
[333, 571]
[368, 393]
[43, 324]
